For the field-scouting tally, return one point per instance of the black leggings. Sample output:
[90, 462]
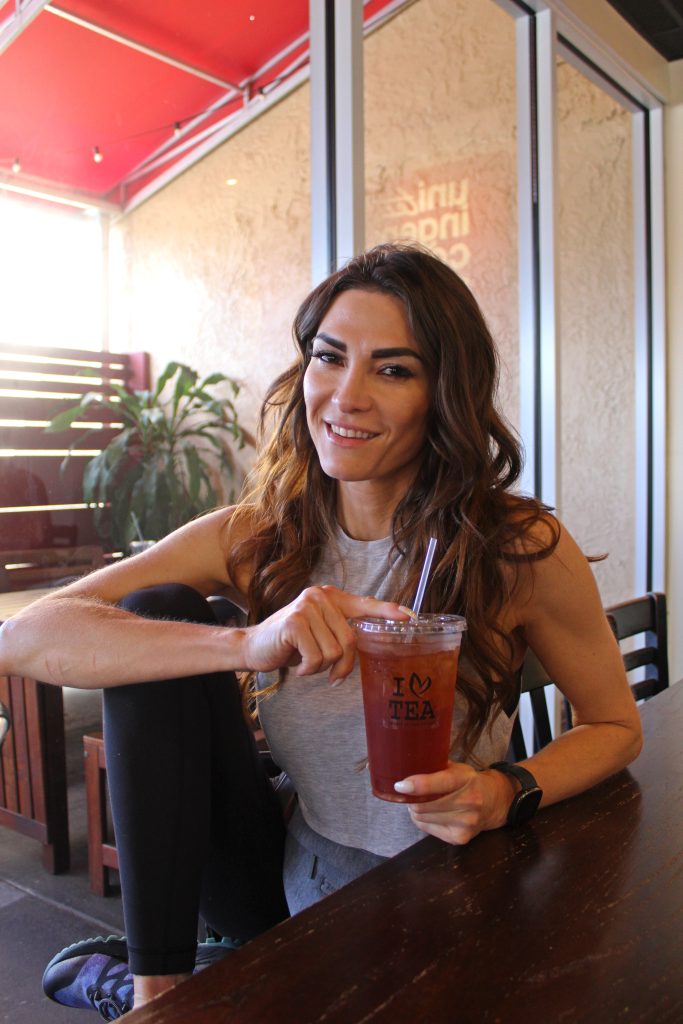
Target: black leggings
[198, 827]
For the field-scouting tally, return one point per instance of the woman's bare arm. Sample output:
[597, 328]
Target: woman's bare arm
[558, 607]
[78, 637]
[565, 625]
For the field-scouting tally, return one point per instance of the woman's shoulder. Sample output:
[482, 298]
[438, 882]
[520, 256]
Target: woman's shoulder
[544, 563]
[530, 532]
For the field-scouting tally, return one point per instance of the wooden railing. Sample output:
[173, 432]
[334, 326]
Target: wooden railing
[41, 503]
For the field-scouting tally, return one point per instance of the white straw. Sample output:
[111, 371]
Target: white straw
[422, 585]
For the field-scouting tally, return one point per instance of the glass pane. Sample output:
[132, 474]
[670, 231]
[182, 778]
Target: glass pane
[440, 126]
[51, 271]
[596, 317]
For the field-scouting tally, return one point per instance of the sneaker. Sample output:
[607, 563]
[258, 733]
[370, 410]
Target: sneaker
[93, 974]
[213, 950]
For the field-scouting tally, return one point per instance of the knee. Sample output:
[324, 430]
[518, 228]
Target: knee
[169, 601]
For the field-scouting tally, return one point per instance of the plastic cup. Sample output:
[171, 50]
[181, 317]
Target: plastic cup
[408, 673]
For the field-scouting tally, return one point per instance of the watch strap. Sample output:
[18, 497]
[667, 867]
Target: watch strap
[525, 803]
[523, 775]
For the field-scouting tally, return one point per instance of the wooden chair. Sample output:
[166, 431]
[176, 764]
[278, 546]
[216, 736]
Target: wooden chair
[533, 682]
[643, 618]
[102, 855]
[24, 569]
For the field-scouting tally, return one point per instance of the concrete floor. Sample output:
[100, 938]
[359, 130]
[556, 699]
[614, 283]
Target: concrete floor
[41, 913]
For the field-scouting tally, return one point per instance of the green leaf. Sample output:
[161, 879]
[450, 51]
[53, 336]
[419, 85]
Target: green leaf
[194, 472]
[63, 420]
[164, 377]
[213, 378]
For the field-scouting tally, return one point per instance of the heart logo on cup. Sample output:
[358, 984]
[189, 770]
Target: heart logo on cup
[418, 687]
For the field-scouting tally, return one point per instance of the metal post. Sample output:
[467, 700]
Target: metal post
[349, 149]
[323, 171]
[549, 380]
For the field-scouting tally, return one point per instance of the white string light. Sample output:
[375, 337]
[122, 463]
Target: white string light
[258, 97]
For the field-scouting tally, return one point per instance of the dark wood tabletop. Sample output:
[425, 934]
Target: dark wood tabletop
[577, 916]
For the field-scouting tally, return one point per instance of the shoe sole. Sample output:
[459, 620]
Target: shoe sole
[110, 945]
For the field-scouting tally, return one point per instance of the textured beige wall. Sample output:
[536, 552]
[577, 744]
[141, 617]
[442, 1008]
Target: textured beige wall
[440, 163]
[596, 328]
[211, 275]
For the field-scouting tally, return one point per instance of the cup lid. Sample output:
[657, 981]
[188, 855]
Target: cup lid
[423, 625]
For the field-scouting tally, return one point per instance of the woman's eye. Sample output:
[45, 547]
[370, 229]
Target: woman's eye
[326, 356]
[396, 370]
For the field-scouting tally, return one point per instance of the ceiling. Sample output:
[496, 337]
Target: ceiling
[99, 98]
[658, 21]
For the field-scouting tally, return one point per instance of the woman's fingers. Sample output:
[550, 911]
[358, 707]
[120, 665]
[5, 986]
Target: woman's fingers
[313, 632]
[461, 809]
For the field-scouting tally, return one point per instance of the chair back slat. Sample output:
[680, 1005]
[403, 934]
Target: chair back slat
[643, 617]
[644, 621]
[542, 731]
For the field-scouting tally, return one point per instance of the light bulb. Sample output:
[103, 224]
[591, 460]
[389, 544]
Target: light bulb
[16, 166]
[97, 156]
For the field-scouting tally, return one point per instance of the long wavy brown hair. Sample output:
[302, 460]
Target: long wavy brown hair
[461, 495]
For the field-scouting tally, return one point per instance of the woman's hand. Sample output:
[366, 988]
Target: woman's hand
[313, 633]
[470, 802]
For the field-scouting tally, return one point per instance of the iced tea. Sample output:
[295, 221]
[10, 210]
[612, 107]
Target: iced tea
[408, 673]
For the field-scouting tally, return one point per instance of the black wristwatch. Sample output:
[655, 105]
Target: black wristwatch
[525, 803]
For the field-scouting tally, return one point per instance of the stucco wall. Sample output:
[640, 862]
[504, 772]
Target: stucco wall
[210, 274]
[596, 328]
[440, 157]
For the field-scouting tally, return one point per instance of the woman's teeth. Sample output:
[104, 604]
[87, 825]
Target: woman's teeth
[343, 432]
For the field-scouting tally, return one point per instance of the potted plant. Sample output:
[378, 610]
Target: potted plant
[170, 460]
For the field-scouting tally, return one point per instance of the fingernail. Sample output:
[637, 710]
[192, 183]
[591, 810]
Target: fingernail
[336, 683]
[404, 786]
[408, 611]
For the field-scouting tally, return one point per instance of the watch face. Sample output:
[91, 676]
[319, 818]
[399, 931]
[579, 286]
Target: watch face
[524, 806]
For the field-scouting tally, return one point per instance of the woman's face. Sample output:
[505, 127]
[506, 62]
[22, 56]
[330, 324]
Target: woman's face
[366, 391]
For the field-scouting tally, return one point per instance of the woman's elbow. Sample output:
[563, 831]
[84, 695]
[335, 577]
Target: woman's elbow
[5, 658]
[633, 739]
[9, 647]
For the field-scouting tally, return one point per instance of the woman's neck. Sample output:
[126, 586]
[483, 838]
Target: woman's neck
[365, 509]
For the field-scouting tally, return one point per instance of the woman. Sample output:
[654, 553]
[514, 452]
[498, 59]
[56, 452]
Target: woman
[386, 433]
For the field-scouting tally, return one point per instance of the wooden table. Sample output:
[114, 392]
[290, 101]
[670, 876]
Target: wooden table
[33, 796]
[577, 917]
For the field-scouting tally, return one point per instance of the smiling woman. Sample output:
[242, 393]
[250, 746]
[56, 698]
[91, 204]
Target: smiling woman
[387, 434]
[367, 395]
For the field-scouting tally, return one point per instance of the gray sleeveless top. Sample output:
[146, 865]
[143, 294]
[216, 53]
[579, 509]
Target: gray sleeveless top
[317, 734]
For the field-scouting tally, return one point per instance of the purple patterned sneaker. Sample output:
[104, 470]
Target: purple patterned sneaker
[92, 975]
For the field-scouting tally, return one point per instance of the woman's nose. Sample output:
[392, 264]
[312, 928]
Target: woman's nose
[352, 392]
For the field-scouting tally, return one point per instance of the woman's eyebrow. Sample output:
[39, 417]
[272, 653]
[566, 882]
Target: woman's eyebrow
[377, 353]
